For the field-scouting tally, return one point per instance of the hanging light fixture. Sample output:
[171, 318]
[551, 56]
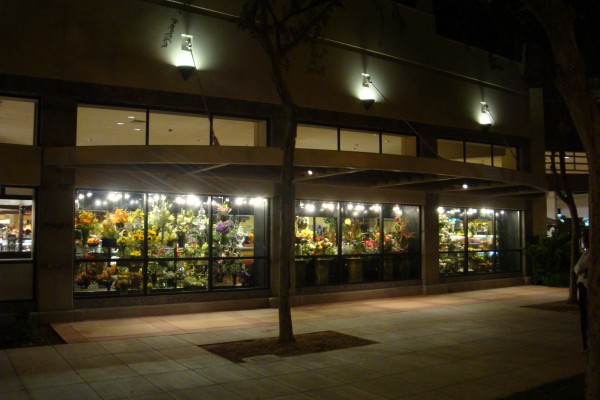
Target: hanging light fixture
[367, 98]
[485, 118]
[185, 63]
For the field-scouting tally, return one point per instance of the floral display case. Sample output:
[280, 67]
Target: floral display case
[377, 242]
[152, 243]
[316, 245]
[475, 241]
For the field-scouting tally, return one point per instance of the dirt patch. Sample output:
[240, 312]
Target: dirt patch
[28, 334]
[304, 344]
[561, 306]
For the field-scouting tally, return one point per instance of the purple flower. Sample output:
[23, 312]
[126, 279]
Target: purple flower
[223, 228]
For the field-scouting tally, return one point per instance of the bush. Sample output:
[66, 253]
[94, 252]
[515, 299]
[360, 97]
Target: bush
[550, 257]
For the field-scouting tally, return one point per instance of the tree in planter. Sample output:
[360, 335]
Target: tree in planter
[558, 17]
[280, 27]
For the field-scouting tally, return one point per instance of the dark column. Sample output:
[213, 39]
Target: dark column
[54, 257]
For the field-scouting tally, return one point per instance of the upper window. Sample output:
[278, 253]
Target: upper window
[17, 121]
[111, 126]
[575, 162]
[316, 137]
[478, 153]
[179, 129]
[399, 144]
[103, 126]
[365, 142]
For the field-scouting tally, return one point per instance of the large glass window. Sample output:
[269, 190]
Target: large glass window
[365, 142]
[113, 126]
[347, 242]
[178, 129]
[451, 149]
[16, 224]
[505, 157]
[148, 243]
[490, 242]
[478, 153]
[239, 132]
[316, 137]
[17, 120]
[399, 144]
[110, 126]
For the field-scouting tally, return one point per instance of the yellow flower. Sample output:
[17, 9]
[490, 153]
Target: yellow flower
[347, 221]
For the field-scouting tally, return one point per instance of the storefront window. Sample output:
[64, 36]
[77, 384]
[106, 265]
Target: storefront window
[317, 137]
[16, 227]
[110, 126]
[492, 237]
[399, 144]
[370, 251]
[451, 240]
[168, 128]
[132, 243]
[237, 234]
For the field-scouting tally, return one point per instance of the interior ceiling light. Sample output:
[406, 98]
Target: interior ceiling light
[367, 98]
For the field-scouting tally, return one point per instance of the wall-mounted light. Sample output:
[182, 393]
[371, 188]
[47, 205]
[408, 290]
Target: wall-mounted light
[485, 118]
[367, 98]
[185, 62]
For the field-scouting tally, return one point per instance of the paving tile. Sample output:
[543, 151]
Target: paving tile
[263, 388]
[214, 392]
[274, 368]
[106, 373]
[178, 380]
[203, 361]
[164, 342]
[65, 392]
[350, 373]
[124, 346]
[50, 379]
[307, 380]
[20, 395]
[228, 373]
[343, 392]
[391, 386]
[124, 388]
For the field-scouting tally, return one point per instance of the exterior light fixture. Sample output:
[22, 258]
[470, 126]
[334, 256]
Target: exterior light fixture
[186, 64]
[366, 93]
[485, 118]
[465, 186]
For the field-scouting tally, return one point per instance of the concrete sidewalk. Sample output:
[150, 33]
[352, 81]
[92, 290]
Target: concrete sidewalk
[469, 345]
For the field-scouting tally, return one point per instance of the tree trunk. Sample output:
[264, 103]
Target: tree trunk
[566, 194]
[557, 19]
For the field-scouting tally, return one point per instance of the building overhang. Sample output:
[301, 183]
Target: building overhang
[316, 167]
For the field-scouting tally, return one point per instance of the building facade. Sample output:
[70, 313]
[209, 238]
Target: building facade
[126, 184]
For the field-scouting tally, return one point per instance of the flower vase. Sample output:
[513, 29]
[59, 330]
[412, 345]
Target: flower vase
[355, 269]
